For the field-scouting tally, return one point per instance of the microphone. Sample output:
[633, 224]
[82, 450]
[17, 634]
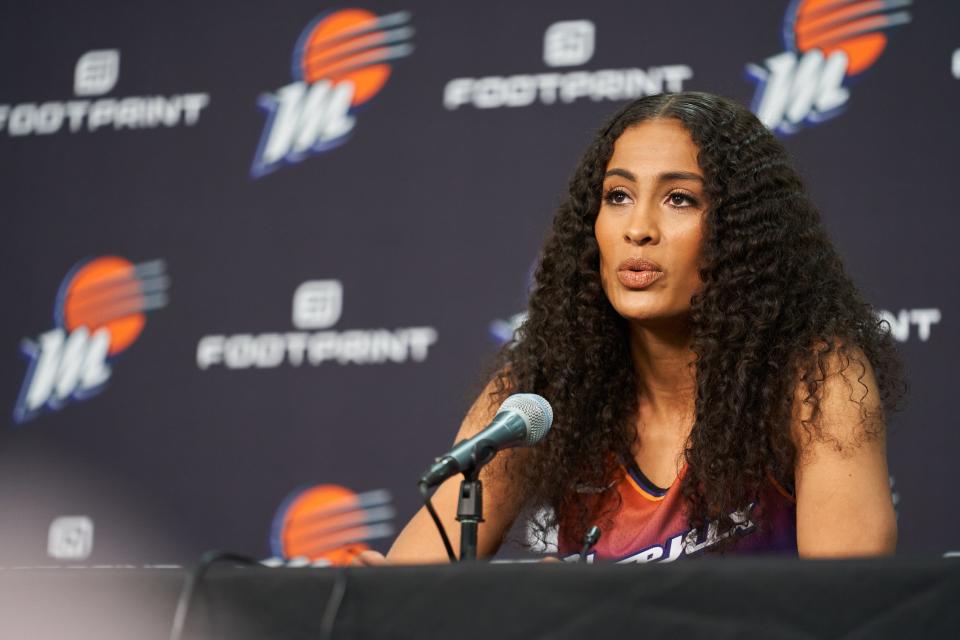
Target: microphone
[522, 420]
[589, 541]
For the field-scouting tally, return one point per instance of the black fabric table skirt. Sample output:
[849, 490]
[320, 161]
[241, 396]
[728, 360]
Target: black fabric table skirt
[715, 598]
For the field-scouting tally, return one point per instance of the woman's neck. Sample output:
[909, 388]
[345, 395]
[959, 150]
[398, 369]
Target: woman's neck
[663, 362]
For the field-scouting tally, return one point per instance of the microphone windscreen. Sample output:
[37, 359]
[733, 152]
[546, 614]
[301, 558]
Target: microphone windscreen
[535, 411]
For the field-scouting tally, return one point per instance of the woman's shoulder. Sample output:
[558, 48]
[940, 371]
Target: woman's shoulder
[502, 470]
[484, 407]
[836, 397]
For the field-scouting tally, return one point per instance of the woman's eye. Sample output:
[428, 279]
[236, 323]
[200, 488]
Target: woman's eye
[677, 200]
[616, 196]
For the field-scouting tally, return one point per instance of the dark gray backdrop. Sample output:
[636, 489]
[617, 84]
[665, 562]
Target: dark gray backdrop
[429, 217]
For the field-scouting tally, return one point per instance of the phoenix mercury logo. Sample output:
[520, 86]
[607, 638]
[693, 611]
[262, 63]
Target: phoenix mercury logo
[329, 524]
[99, 312]
[339, 64]
[828, 42]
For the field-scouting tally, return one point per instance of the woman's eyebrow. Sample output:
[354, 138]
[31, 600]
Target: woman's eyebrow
[623, 173]
[679, 175]
[663, 177]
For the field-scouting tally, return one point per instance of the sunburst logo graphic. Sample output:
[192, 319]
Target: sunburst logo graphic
[100, 311]
[827, 43]
[340, 62]
[328, 523]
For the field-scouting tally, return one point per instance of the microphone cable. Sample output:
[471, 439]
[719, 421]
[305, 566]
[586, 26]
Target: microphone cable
[193, 579]
[332, 608]
[425, 492]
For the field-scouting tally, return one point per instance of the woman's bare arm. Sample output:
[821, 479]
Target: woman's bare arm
[844, 506]
[420, 542]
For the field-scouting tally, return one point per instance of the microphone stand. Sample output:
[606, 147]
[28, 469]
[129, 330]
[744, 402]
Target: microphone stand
[470, 502]
[469, 514]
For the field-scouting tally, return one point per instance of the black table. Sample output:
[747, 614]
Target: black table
[715, 598]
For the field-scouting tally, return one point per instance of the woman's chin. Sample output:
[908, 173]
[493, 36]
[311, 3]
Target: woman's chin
[650, 315]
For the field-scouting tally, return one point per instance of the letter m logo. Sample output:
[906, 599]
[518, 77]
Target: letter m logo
[303, 119]
[792, 90]
[62, 367]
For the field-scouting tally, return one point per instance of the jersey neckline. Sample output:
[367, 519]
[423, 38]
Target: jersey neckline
[644, 484]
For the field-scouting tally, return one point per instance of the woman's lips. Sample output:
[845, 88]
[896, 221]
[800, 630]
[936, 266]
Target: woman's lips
[638, 273]
[638, 279]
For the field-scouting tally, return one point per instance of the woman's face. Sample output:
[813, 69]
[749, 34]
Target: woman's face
[650, 224]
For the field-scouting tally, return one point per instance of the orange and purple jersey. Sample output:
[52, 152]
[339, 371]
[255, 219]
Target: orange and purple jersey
[651, 524]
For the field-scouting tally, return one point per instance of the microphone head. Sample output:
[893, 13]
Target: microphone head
[535, 411]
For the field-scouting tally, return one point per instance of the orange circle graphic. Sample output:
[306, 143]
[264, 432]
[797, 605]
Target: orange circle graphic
[105, 292]
[339, 49]
[321, 524]
[831, 26]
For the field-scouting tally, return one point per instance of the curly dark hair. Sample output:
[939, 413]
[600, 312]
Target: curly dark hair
[774, 306]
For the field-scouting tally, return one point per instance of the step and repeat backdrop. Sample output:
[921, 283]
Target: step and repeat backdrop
[258, 256]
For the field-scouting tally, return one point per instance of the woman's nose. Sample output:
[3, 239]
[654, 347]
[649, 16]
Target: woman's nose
[642, 228]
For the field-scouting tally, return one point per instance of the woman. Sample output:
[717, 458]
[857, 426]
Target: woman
[716, 380]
